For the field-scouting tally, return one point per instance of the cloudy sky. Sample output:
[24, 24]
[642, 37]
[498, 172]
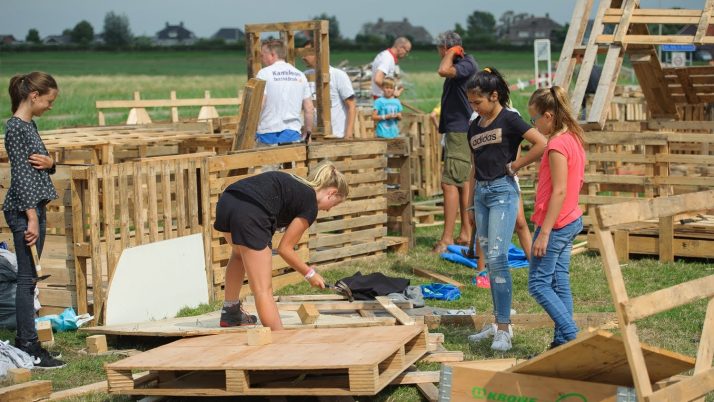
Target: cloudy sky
[204, 17]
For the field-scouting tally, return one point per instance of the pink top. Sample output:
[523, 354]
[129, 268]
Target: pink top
[568, 145]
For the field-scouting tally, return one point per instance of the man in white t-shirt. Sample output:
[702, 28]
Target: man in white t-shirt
[385, 64]
[343, 107]
[287, 93]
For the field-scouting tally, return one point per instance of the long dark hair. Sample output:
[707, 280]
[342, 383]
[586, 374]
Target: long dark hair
[488, 80]
[22, 85]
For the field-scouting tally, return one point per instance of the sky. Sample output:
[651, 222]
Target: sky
[205, 17]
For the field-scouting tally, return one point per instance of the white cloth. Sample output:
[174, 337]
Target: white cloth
[285, 89]
[385, 63]
[340, 90]
[12, 357]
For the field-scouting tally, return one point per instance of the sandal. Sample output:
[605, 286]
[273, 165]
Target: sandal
[460, 242]
[440, 247]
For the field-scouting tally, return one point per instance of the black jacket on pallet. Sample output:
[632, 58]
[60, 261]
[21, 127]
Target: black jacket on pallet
[367, 287]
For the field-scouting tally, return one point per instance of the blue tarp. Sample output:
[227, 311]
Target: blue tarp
[516, 256]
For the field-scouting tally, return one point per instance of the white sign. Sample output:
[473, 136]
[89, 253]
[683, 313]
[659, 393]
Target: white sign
[679, 59]
[541, 52]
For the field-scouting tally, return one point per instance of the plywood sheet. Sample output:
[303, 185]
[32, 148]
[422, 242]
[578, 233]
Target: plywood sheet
[207, 324]
[599, 356]
[156, 280]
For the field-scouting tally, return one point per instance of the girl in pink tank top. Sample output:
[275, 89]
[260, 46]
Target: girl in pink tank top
[556, 214]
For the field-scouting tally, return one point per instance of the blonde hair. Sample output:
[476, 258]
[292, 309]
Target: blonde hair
[555, 100]
[325, 175]
[389, 82]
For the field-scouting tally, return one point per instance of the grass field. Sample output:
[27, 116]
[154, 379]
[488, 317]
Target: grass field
[677, 330]
[85, 77]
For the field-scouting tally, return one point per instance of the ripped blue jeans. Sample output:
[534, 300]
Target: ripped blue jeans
[496, 207]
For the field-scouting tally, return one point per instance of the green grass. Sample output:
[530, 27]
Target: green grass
[677, 330]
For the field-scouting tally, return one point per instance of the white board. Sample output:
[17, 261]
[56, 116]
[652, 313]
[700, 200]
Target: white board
[154, 281]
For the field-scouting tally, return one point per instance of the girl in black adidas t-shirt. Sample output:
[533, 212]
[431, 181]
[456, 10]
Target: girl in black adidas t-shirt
[248, 213]
[495, 137]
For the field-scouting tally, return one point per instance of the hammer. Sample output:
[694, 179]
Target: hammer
[36, 260]
[341, 288]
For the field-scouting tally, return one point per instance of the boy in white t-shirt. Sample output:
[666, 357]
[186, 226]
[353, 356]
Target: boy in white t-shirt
[287, 93]
[343, 107]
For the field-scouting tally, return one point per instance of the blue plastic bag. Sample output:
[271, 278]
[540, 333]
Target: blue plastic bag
[440, 291]
[68, 320]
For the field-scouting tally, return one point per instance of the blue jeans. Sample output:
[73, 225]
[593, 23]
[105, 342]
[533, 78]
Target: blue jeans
[496, 207]
[25, 296]
[549, 280]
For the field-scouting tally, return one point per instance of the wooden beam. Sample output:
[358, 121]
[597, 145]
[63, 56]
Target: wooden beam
[703, 24]
[624, 25]
[685, 390]
[574, 38]
[589, 59]
[395, 311]
[668, 298]
[425, 273]
[251, 107]
[705, 354]
[637, 211]
[29, 391]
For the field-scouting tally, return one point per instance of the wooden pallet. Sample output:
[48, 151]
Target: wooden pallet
[668, 238]
[630, 310]
[139, 115]
[354, 361]
[112, 144]
[357, 226]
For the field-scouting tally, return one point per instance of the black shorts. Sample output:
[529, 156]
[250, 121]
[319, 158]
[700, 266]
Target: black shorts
[248, 223]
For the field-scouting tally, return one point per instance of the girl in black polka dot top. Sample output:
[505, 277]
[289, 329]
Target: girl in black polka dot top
[30, 190]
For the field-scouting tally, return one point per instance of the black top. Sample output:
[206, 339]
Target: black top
[28, 186]
[455, 107]
[496, 145]
[281, 195]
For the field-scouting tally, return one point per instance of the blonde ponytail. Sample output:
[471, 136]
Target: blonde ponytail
[325, 175]
[555, 100]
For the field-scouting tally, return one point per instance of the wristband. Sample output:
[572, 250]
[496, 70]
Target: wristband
[509, 169]
[310, 274]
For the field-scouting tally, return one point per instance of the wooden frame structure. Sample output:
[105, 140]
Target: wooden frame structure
[139, 115]
[629, 310]
[630, 36]
[319, 32]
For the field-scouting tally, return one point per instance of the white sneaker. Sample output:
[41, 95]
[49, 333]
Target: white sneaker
[488, 331]
[502, 340]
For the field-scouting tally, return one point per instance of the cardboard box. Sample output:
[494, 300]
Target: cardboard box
[464, 382]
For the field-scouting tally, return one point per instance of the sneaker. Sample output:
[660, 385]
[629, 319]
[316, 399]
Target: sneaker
[488, 331]
[235, 315]
[502, 340]
[42, 358]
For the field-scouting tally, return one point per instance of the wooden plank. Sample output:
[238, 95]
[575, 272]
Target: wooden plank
[526, 321]
[425, 273]
[589, 59]
[699, 385]
[666, 239]
[668, 298]
[249, 116]
[429, 391]
[171, 103]
[416, 377]
[624, 24]
[705, 353]
[395, 311]
[29, 391]
[636, 211]
[574, 37]
[654, 39]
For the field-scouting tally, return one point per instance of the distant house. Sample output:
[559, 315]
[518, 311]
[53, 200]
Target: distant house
[525, 31]
[57, 40]
[8, 40]
[174, 35]
[229, 35]
[393, 29]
